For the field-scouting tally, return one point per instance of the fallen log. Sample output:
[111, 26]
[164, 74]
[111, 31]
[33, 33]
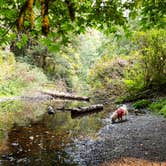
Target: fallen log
[81, 110]
[79, 115]
[63, 95]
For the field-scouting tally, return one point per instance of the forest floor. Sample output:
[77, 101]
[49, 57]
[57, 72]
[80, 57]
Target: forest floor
[140, 141]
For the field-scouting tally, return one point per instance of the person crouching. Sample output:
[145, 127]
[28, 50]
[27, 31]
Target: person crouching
[119, 114]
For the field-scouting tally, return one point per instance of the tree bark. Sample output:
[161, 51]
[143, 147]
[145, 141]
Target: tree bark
[44, 14]
[26, 13]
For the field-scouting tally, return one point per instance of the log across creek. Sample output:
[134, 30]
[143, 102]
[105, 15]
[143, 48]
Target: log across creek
[91, 108]
[82, 111]
[63, 95]
[77, 110]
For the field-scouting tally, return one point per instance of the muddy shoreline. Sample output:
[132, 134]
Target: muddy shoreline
[142, 137]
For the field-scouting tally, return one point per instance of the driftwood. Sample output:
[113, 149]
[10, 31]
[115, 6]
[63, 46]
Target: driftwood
[82, 110]
[79, 115]
[65, 96]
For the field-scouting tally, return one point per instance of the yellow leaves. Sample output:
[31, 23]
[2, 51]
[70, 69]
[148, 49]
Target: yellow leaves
[7, 65]
[74, 60]
[129, 83]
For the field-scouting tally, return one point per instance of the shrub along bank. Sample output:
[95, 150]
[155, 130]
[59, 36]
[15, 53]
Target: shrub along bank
[15, 77]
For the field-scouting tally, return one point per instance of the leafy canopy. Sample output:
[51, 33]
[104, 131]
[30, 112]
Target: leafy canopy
[60, 19]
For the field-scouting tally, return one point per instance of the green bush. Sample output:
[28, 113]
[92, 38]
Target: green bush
[106, 77]
[141, 104]
[15, 76]
[163, 110]
[159, 106]
[147, 69]
[151, 48]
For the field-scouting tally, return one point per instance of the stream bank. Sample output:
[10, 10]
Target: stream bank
[141, 137]
[91, 140]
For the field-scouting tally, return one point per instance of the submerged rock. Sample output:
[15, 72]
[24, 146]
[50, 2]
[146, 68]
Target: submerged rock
[50, 110]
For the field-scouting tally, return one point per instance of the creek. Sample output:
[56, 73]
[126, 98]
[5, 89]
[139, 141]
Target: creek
[29, 136]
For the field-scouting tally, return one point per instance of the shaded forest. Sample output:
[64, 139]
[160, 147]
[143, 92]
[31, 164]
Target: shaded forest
[114, 50]
[111, 49]
[104, 52]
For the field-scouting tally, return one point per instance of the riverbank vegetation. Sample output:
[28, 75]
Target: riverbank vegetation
[16, 77]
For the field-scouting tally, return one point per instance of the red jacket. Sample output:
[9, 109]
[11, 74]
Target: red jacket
[120, 113]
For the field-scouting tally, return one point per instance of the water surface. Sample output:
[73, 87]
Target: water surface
[32, 137]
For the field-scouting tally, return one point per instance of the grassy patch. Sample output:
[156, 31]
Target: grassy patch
[159, 106]
[141, 104]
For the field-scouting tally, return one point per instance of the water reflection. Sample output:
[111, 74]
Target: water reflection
[36, 144]
[42, 140]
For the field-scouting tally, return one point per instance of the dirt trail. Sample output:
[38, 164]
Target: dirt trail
[142, 138]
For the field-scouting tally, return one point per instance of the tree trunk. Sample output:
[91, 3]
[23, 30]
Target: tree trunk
[44, 14]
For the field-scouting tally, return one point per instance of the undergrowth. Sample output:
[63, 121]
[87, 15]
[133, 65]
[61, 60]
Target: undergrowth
[141, 104]
[159, 106]
[15, 77]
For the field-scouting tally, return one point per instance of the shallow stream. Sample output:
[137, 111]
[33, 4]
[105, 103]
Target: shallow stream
[29, 136]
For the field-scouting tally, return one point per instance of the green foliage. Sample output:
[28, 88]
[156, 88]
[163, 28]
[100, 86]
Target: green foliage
[22, 42]
[29, 75]
[153, 13]
[11, 87]
[65, 19]
[84, 53]
[141, 104]
[106, 77]
[163, 110]
[68, 18]
[133, 76]
[159, 106]
[14, 76]
[148, 63]
[72, 63]
[56, 65]
[7, 63]
[152, 52]
[137, 74]
[150, 14]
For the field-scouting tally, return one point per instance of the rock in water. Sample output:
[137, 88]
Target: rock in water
[50, 110]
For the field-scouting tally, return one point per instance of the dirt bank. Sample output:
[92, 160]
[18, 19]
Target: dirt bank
[141, 138]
